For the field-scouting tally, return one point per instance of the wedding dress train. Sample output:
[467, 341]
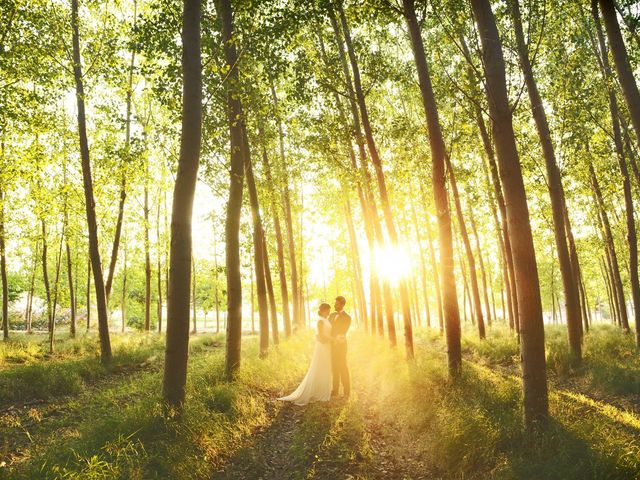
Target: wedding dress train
[316, 385]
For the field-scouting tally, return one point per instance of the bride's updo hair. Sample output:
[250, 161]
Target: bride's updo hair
[324, 309]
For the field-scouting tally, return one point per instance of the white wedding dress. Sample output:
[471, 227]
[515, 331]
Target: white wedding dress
[317, 383]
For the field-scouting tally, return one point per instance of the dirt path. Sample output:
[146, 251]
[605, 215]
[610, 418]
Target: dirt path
[342, 439]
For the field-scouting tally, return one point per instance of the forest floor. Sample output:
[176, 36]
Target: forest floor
[66, 416]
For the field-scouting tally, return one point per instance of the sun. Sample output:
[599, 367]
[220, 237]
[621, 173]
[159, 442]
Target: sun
[392, 262]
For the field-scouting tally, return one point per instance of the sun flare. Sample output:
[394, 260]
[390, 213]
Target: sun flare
[392, 262]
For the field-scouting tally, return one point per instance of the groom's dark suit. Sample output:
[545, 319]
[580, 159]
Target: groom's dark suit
[340, 322]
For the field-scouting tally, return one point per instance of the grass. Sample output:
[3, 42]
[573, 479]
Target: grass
[405, 420]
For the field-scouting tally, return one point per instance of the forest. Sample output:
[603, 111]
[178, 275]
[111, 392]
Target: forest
[184, 184]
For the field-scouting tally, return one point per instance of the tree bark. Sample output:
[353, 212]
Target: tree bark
[382, 187]
[88, 292]
[423, 263]
[45, 272]
[608, 237]
[473, 277]
[286, 201]
[96, 265]
[365, 195]
[632, 238]
[123, 179]
[194, 291]
[32, 284]
[177, 344]
[123, 300]
[3, 269]
[258, 247]
[215, 279]
[357, 272]
[65, 233]
[534, 375]
[147, 254]
[483, 273]
[284, 292]
[234, 205]
[556, 190]
[159, 266]
[439, 181]
[436, 275]
[621, 61]
[273, 310]
[56, 285]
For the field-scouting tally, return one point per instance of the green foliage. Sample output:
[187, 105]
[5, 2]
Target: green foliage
[114, 427]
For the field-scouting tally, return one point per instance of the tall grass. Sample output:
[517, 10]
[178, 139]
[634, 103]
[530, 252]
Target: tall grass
[469, 428]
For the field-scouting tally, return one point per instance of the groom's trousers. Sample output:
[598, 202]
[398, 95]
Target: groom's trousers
[340, 368]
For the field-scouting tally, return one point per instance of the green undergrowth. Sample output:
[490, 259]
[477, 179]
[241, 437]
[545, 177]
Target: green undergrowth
[472, 427]
[75, 363]
[117, 429]
[403, 413]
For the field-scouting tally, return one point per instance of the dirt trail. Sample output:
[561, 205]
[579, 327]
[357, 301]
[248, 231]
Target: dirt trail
[341, 439]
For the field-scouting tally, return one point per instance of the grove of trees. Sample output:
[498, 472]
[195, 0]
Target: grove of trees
[440, 163]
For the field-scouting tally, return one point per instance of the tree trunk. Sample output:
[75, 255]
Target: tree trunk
[147, 254]
[284, 292]
[423, 263]
[258, 247]
[234, 205]
[273, 310]
[72, 298]
[357, 271]
[371, 221]
[65, 233]
[177, 346]
[483, 273]
[382, 187]
[123, 300]
[45, 272]
[605, 276]
[215, 279]
[56, 285]
[3, 270]
[159, 266]
[123, 179]
[439, 181]
[88, 292]
[608, 237]
[32, 284]
[556, 190]
[473, 277]
[96, 265]
[436, 275]
[631, 94]
[534, 375]
[621, 61]
[505, 240]
[286, 200]
[194, 290]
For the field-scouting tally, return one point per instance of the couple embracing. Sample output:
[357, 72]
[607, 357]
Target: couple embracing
[328, 366]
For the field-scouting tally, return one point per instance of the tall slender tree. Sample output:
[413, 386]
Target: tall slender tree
[94, 249]
[556, 189]
[380, 177]
[439, 182]
[177, 345]
[534, 371]
[236, 182]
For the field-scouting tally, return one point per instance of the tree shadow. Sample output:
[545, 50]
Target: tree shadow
[290, 447]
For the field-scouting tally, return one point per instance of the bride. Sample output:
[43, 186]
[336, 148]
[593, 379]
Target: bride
[316, 385]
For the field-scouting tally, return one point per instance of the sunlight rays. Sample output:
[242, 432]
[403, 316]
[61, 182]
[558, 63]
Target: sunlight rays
[392, 262]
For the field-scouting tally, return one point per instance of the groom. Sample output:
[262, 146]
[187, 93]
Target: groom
[340, 322]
